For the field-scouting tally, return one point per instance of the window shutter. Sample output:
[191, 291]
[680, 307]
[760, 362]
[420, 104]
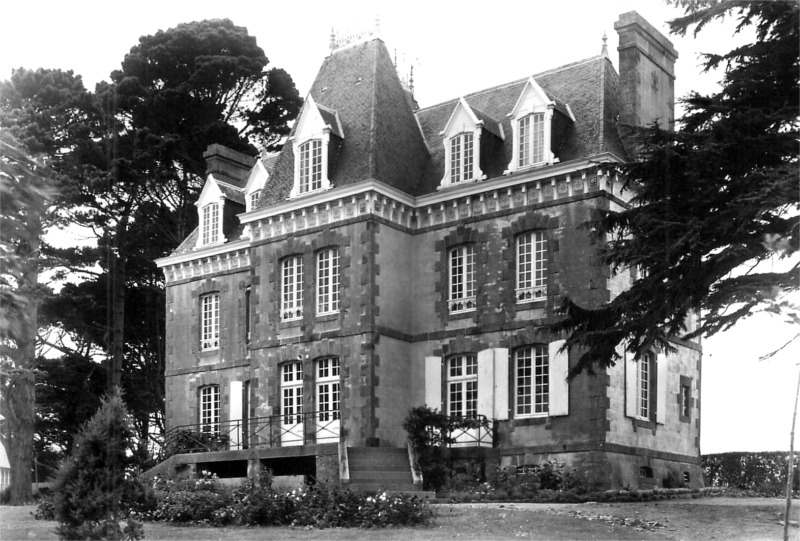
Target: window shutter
[235, 414]
[486, 383]
[559, 386]
[661, 388]
[433, 382]
[501, 399]
[630, 384]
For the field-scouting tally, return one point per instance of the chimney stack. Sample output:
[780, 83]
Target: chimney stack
[646, 73]
[228, 165]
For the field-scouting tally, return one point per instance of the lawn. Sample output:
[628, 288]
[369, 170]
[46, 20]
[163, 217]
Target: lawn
[710, 518]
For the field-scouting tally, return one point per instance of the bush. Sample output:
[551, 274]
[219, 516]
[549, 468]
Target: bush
[762, 473]
[92, 493]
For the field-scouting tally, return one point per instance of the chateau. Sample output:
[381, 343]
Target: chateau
[392, 256]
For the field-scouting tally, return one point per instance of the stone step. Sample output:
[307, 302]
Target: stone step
[376, 487]
[380, 475]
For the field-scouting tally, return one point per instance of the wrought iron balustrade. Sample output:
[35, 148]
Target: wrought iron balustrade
[262, 432]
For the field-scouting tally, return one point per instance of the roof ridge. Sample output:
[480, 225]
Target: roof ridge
[514, 82]
[229, 185]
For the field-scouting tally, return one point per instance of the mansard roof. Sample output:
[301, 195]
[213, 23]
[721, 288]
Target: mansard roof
[384, 139]
[381, 138]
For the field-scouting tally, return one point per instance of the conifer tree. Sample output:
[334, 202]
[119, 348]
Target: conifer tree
[93, 492]
[712, 227]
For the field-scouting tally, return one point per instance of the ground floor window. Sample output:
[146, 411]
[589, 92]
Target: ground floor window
[209, 409]
[462, 386]
[532, 379]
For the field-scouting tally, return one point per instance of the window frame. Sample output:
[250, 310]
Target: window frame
[531, 140]
[210, 409]
[531, 267]
[291, 385]
[291, 288]
[461, 380]
[461, 285]
[310, 174]
[328, 281]
[210, 321]
[462, 158]
[644, 387]
[327, 382]
[210, 228]
[538, 395]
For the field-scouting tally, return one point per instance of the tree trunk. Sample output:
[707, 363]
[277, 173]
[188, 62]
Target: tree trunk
[20, 406]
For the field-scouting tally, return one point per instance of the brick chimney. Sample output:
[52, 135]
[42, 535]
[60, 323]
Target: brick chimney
[646, 73]
[228, 165]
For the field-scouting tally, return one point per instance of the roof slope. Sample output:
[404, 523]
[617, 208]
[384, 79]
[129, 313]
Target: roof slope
[381, 136]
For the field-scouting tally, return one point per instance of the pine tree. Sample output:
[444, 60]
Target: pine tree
[93, 492]
[713, 202]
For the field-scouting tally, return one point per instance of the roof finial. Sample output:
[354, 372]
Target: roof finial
[411, 80]
[333, 39]
[377, 26]
[604, 50]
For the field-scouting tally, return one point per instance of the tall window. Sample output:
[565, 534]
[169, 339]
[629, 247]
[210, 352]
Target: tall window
[462, 278]
[209, 409]
[532, 376]
[644, 371]
[328, 387]
[254, 199]
[311, 166]
[292, 393]
[461, 157]
[328, 281]
[531, 266]
[209, 324]
[462, 386]
[211, 223]
[247, 314]
[292, 288]
[531, 139]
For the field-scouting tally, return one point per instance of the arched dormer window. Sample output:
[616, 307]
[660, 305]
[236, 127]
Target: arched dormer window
[531, 124]
[461, 138]
[210, 206]
[319, 130]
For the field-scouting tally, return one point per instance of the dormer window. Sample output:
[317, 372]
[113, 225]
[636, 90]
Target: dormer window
[315, 142]
[210, 223]
[531, 120]
[461, 158]
[254, 199]
[310, 166]
[531, 139]
[462, 143]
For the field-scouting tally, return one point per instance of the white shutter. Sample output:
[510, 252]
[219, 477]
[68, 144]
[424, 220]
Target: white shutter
[631, 401]
[662, 384]
[559, 386]
[486, 383]
[235, 414]
[433, 382]
[501, 403]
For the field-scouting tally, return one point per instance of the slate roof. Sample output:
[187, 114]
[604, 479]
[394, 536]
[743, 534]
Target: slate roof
[385, 139]
[232, 193]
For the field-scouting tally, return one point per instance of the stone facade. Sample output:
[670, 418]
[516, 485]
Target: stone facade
[397, 326]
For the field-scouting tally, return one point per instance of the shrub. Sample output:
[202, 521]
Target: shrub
[93, 494]
[763, 473]
[45, 510]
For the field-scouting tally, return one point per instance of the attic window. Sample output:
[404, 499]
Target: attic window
[461, 138]
[310, 166]
[461, 157]
[210, 223]
[531, 120]
[531, 139]
[254, 199]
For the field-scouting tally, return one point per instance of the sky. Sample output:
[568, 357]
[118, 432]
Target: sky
[456, 47]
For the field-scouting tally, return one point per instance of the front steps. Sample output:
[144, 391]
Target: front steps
[375, 469]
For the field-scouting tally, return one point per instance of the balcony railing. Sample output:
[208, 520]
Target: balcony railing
[477, 431]
[261, 432]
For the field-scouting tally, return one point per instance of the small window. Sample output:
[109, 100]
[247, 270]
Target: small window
[209, 409]
[311, 166]
[686, 401]
[292, 288]
[461, 158]
[210, 223]
[462, 386]
[209, 325]
[686, 477]
[646, 471]
[462, 279]
[532, 378]
[254, 199]
[531, 267]
[328, 281]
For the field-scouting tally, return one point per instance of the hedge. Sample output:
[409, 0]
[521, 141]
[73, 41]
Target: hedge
[762, 472]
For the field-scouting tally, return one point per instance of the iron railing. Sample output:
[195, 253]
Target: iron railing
[262, 432]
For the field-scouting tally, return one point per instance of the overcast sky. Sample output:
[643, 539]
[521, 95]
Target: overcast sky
[456, 48]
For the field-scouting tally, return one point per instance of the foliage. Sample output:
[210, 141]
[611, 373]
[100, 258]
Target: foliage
[93, 493]
[187, 441]
[429, 431]
[205, 501]
[764, 473]
[710, 202]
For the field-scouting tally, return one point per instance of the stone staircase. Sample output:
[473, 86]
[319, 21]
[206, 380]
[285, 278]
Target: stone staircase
[373, 469]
